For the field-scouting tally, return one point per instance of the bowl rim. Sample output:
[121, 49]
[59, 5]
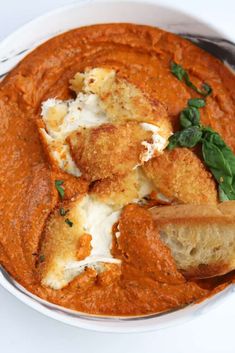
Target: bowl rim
[114, 325]
[82, 3]
[84, 321]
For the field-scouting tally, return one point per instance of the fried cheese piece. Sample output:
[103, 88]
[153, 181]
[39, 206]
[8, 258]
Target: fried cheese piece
[108, 150]
[121, 190]
[102, 98]
[61, 118]
[121, 100]
[200, 237]
[78, 235]
[180, 175]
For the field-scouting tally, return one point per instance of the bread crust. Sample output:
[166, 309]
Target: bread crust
[201, 237]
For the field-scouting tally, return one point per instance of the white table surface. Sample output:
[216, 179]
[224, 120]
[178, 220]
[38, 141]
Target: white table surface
[22, 330]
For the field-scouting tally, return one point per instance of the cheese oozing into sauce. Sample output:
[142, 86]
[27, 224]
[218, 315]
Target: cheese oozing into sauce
[89, 217]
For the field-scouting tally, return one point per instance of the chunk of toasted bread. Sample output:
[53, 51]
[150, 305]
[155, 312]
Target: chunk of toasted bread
[201, 237]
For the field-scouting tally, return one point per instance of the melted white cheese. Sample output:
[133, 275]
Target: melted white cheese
[94, 218]
[145, 185]
[61, 118]
[98, 222]
[158, 144]
[99, 219]
[60, 154]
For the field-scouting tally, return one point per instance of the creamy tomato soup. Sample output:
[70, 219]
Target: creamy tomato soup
[75, 228]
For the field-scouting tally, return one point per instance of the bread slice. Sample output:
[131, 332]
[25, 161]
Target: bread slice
[201, 237]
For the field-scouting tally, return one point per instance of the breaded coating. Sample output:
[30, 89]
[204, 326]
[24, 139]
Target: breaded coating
[180, 175]
[108, 150]
[60, 245]
[73, 187]
[77, 235]
[121, 100]
[118, 190]
[121, 190]
[58, 153]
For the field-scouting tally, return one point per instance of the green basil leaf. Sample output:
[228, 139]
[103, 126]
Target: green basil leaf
[178, 71]
[59, 188]
[222, 196]
[228, 189]
[190, 137]
[184, 120]
[182, 75]
[173, 140]
[190, 117]
[197, 102]
[229, 157]
[189, 82]
[206, 89]
[216, 139]
[215, 160]
[210, 135]
[41, 258]
[70, 223]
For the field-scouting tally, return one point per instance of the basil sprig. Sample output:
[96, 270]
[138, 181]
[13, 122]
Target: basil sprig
[218, 157]
[182, 75]
[191, 132]
[221, 161]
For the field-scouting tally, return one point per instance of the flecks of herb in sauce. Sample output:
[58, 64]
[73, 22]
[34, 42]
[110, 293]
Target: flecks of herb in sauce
[63, 212]
[41, 258]
[70, 223]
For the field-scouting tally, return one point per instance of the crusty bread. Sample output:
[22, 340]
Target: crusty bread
[201, 237]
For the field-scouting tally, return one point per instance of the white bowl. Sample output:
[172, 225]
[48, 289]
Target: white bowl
[18, 44]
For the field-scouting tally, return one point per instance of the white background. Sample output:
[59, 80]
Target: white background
[22, 330]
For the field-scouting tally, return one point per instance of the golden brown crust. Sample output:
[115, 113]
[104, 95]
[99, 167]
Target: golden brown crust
[60, 243]
[118, 190]
[73, 187]
[180, 175]
[121, 100]
[207, 270]
[108, 150]
[223, 213]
